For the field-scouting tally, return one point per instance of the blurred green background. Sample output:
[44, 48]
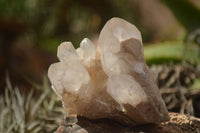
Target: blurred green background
[31, 30]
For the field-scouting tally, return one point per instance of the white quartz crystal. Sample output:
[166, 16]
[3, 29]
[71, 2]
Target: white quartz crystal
[66, 52]
[87, 50]
[110, 79]
[131, 92]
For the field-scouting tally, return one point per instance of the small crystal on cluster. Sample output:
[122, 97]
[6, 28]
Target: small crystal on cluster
[110, 79]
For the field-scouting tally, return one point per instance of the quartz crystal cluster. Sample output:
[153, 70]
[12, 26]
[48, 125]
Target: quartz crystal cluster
[110, 79]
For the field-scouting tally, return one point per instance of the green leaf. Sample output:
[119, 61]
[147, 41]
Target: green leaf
[163, 53]
[185, 12]
[171, 52]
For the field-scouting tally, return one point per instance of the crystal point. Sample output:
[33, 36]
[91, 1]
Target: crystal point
[109, 80]
[66, 52]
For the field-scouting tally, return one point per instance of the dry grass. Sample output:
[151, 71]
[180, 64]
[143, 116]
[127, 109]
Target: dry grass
[38, 111]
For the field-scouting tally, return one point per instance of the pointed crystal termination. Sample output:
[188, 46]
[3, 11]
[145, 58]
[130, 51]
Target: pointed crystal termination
[109, 80]
[131, 83]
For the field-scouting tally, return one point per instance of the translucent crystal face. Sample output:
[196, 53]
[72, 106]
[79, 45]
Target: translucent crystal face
[110, 79]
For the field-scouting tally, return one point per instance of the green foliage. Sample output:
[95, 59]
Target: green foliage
[33, 112]
[186, 13]
[50, 44]
[189, 16]
[196, 84]
[171, 52]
